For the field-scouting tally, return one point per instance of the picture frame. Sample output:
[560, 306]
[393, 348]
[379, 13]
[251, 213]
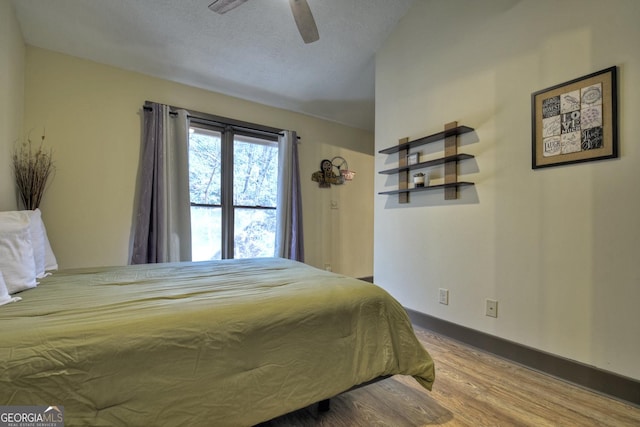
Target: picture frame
[413, 159]
[575, 121]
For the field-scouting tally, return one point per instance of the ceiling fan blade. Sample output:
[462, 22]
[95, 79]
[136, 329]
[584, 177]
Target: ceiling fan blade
[304, 20]
[224, 6]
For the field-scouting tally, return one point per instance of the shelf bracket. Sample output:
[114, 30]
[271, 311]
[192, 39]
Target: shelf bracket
[403, 177]
[450, 168]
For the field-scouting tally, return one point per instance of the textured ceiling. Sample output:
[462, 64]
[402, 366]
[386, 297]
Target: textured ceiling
[253, 52]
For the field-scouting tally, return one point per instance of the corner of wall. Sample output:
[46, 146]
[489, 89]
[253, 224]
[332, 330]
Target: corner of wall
[12, 68]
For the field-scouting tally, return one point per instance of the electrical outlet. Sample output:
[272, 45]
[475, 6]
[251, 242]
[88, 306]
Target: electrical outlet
[327, 267]
[443, 296]
[491, 308]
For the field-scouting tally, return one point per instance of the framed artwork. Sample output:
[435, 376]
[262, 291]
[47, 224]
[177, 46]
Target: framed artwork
[412, 159]
[576, 121]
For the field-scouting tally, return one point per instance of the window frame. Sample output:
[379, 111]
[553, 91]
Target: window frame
[228, 129]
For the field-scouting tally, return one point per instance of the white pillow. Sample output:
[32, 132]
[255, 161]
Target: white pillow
[17, 262]
[5, 298]
[37, 240]
[50, 261]
[42, 252]
[43, 255]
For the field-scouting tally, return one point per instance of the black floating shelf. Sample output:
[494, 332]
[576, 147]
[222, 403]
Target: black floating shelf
[427, 139]
[427, 164]
[429, 187]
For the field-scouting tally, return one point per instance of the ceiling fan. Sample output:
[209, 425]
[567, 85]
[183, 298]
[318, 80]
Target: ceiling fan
[300, 9]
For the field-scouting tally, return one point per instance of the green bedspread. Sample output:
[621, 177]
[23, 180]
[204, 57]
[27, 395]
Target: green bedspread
[216, 343]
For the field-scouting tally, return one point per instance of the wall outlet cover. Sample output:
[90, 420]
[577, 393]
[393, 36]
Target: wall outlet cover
[443, 296]
[491, 308]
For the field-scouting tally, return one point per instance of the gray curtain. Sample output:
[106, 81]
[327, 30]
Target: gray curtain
[289, 241]
[162, 229]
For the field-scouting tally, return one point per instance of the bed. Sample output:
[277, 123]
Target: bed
[232, 342]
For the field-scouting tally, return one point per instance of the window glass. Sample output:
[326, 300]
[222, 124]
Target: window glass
[206, 233]
[205, 164]
[255, 233]
[255, 172]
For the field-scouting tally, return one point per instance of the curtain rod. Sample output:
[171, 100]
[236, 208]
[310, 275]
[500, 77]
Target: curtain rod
[219, 120]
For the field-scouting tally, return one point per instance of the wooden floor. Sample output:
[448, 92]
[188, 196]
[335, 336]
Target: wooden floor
[472, 388]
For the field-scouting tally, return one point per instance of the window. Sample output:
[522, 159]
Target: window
[233, 178]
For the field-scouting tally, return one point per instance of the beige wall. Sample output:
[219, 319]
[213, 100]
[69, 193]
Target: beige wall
[557, 247]
[12, 52]
[91, 115]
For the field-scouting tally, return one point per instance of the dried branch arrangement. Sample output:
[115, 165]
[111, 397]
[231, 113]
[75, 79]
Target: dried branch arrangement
[32, 170]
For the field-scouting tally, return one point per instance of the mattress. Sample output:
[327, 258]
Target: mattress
[232, 342]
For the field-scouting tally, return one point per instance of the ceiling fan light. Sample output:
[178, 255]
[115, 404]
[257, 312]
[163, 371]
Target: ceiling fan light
[224, 6]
